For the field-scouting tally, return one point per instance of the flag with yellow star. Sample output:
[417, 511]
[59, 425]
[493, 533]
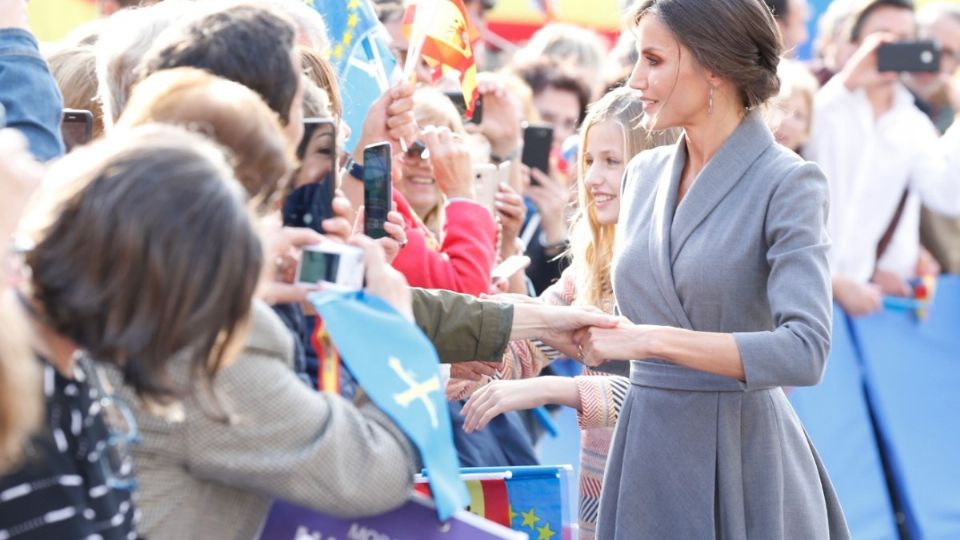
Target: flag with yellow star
[542, 502]
[360, 53]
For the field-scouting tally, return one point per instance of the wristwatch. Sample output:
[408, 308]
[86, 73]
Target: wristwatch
[354, 169]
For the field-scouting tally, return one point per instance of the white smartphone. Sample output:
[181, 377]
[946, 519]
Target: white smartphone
[485, 179]
[332, 266]
[510, 266]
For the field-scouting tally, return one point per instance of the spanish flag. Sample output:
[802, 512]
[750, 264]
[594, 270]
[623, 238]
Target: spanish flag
[448, 36]
[488, 498]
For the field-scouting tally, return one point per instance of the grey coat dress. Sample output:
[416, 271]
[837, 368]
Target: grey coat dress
[697, 455]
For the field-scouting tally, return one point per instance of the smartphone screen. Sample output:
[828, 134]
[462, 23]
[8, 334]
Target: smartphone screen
[537, 140]
[377, 189]
[76, 128]
[315, 181]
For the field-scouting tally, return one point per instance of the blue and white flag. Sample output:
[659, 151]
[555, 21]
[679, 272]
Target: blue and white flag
[398, 367]
[360, 53]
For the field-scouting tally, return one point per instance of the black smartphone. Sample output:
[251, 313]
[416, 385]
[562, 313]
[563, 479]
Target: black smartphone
[315, 181]
[537, 141]
[911, 56]
[377, 189]
[457, 98]
[76, 127]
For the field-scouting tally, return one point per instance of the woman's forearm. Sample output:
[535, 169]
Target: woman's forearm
[704, 351]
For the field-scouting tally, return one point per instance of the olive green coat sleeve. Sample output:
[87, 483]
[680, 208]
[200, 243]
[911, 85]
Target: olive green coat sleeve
[461, 327]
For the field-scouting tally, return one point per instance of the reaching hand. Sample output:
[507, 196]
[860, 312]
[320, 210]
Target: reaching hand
[857, 298]
[382, 279]
[396, 237]
[283, 247]
[557, 325]
[13, 14]
[499, 397]
[450, 161]
[501, 116]
[861, 70]
[625, 342]
[20, 175]
[511, 212]
[390, 118]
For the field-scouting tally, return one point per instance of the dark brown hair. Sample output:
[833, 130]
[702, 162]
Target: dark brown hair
[735, 39]
[867, 8]
[547, 73]
[245, 44]
[229, 113]
[150, 253]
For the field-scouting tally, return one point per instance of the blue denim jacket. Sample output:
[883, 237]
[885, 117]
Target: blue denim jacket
[29, 94]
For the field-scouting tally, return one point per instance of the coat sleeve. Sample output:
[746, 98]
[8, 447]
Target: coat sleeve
[794, 353]
[293, 443]
[462, 262]
[461, 327]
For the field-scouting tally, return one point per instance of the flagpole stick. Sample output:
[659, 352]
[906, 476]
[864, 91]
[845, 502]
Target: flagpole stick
[418, 39]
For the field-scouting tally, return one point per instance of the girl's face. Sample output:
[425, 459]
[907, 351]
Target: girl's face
[794, 125]
[318, 157]
[664, 67]
[603, 164]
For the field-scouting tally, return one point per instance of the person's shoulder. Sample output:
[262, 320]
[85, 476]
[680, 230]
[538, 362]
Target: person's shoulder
[785, 170]
[267, 334]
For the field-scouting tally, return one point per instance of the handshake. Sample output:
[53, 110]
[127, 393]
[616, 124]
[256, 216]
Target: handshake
[567, 329]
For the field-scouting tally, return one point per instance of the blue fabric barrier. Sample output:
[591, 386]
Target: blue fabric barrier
[836, 418]
[912, 369]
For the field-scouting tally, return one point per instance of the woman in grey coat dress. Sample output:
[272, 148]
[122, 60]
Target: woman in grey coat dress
[720, 270]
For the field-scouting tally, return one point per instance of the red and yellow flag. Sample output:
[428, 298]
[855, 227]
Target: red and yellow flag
[488, 498]
[449, 36]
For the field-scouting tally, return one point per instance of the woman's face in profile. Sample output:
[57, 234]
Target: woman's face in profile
[672, 85]
[319, 156]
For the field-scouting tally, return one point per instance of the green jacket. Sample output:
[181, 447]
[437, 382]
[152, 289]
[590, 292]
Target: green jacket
[461, 327]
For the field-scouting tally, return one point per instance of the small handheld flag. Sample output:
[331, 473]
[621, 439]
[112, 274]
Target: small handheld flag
[399, 370]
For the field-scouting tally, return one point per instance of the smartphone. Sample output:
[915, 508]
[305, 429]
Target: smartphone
[537, 141]
[486, 178]
[510, 266]
[311, 201]
[910, 56]
[76, 127]
[377, 189]
[332, 266]
[456, 97]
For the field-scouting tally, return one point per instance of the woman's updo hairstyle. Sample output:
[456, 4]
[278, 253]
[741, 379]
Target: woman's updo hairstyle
[735, 39]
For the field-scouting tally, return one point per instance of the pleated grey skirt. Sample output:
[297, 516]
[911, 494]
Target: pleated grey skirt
[690, 464]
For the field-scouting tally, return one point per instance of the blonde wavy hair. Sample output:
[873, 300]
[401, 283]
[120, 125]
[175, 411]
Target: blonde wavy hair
[591, 243]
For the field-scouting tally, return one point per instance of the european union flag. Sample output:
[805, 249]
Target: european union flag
[398, 368]
[361, 55]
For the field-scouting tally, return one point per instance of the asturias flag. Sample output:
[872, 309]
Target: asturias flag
[398, 368]
[360, 52]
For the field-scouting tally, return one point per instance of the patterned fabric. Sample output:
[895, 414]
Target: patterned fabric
[211, 469]
[60, 490]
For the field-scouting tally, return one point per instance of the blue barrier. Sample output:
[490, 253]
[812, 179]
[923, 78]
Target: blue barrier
[836, 418]
[912, 369]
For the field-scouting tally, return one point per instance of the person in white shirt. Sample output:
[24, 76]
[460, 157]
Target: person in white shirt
[882, 157]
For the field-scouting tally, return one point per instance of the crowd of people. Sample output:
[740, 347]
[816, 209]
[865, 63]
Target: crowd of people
[707, 196]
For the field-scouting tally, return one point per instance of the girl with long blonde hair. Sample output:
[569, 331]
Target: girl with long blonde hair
[609, 138]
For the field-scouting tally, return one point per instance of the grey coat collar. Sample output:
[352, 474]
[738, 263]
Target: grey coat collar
[672, 226]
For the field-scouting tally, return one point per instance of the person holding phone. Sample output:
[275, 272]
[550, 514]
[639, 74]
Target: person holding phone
[720, 273]
[883, 157]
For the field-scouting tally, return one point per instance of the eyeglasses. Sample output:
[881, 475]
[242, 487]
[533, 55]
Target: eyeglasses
[114, 453]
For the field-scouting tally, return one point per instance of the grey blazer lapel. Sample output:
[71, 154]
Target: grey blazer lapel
[722, 173]
[660, 226]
